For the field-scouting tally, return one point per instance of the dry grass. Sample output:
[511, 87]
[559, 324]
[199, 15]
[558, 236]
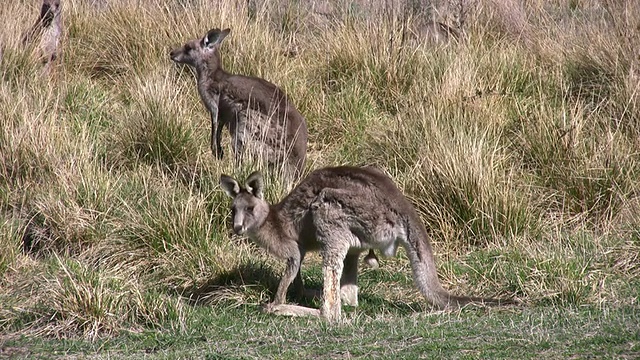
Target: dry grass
[519, 147]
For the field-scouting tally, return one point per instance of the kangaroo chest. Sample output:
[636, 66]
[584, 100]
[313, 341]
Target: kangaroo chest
[51, 38]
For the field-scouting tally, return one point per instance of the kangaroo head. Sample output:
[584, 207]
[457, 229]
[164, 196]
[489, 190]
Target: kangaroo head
[49, 9]
[197, 51]
[51, 5]
[249, 210]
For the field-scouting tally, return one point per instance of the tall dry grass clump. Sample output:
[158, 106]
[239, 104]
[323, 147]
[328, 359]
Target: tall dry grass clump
[518, 146]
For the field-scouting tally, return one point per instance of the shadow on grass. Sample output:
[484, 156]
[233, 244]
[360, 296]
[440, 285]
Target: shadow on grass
[237, 285]
[247, 283]
[257, 283]
[372, 305]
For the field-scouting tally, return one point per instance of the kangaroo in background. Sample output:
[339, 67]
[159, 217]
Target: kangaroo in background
[341, 212]
[48, 30]
[258, 113]
[431, 32]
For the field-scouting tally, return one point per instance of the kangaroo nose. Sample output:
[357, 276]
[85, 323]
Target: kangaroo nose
[238, 229]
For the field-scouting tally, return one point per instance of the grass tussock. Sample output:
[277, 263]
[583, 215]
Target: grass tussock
[517, 144]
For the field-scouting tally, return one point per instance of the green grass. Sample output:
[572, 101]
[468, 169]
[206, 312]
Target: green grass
[243, 333]
[518, 146]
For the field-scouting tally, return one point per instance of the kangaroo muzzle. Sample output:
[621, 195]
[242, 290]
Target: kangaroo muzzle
[174, 54]
[238, 229]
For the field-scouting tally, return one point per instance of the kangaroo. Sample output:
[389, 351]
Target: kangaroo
[257, 112]
[48, 29]
[340, 212]
[432, 32]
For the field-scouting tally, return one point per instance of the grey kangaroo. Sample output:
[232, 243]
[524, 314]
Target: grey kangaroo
[341, 212]
[258, 114]
[47, 29]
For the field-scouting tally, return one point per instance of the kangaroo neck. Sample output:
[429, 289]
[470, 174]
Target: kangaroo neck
[210, 70]
[270, 230]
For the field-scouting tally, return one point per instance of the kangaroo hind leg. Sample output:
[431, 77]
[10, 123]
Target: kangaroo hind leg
[332, 266]
[335, 237]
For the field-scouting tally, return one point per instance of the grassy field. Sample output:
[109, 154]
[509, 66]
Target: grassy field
[519, 145]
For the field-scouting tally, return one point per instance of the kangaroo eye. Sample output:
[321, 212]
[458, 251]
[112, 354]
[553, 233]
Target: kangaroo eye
[250, 209]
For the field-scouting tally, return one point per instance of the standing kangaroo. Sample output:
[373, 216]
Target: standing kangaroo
[341, 212]
[47, 29]
[258, 113]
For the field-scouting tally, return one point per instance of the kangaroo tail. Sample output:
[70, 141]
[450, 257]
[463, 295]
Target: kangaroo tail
[425, 276]
[460, 301]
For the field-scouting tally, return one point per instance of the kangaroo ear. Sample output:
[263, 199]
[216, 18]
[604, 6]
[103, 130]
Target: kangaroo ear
[214, 37]
[255, 185]
[229, 185]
